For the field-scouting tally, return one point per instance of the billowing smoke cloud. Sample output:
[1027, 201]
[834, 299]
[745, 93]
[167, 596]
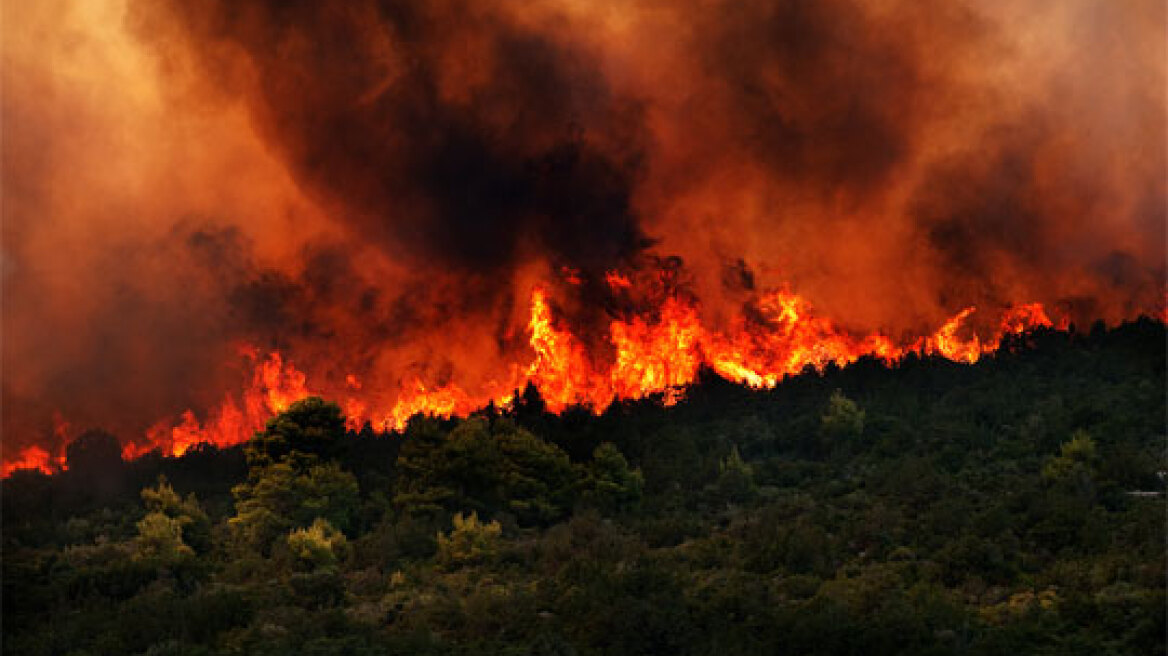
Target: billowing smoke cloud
[446, 135]
[374, 186]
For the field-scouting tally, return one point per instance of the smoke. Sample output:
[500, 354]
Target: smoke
[446, 136]
[374, 187]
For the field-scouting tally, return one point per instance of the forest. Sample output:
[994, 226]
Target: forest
[1016, 505]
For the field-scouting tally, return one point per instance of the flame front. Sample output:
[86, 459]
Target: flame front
[656, 353]
[275, 385]
[32, 458]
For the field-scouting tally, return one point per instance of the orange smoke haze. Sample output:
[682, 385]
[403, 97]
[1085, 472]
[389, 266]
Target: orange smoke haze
[421, 207]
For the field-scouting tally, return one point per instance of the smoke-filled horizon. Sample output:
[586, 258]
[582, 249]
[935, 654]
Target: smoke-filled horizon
[376, 187]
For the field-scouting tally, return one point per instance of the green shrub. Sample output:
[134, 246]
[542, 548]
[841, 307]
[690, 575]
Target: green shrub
[319, 545]
[470, 542]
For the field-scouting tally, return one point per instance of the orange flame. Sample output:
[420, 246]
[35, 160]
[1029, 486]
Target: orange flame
[39, 458]
[33, 457]
[659, 357]
[652, 353]
[275, 386]
[561, 369]
[1021, 318]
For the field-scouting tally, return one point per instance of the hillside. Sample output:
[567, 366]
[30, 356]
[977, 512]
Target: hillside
[1012, 506]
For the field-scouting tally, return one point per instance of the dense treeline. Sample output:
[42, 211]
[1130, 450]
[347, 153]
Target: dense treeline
[1013, 506]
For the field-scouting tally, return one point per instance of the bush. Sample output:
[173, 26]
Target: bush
[1076, 458]
[160, 540]
[319, 545]
[483, 466]
[608, 483]
[278, 498]
[842, 421]
[196, 525]
[471, 542]
[736, 479]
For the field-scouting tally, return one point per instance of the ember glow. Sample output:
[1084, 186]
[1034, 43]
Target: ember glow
[420, 207]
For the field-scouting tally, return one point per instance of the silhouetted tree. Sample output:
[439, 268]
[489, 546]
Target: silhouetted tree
[309, 427]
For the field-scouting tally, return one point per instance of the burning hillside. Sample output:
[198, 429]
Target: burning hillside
[213, 210]
[649, 356]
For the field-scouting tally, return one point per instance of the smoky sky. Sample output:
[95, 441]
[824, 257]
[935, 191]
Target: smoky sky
[480, 138]
[818, 97]
[375, 186]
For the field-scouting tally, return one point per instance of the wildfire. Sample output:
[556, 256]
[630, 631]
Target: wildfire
[1024, 317]
[946, 342]
[655, 353]
[33, 457]
[39, 458]
[275, 385]
[657, 357]
[561, 369]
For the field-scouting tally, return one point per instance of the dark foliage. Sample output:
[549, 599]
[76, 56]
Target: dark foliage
[1013, 506]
